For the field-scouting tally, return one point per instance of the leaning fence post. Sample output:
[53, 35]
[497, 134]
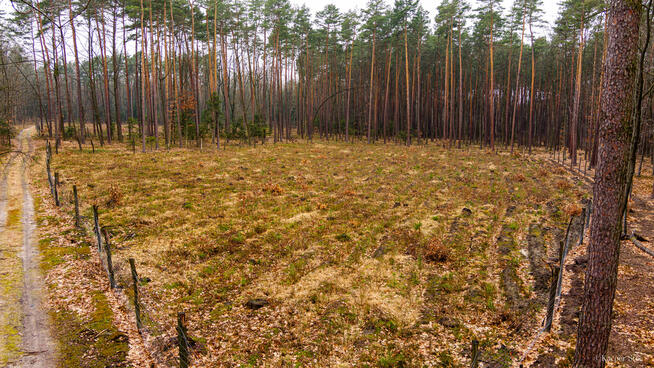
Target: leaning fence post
[135, 281]
[110, 268]
[50, 181]
[589, 210]
[552, 299]
[475, 354]
[56, 194]
[96, 227]
[76, 206]
[583, 225]
[563, 252]
[182, 340]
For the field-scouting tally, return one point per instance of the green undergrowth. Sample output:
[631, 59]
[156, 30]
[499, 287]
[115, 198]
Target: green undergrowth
[92, 342]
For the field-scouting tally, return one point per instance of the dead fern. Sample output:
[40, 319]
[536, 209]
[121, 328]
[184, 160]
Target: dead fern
[115, 197]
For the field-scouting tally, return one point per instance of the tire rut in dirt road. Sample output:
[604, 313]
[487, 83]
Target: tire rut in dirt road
[10, 269]
[37, 341]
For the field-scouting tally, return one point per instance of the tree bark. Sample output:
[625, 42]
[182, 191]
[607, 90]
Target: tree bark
[610, 183]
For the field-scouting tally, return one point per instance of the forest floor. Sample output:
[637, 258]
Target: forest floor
[328, 254]
[322, 254]
[632, 335]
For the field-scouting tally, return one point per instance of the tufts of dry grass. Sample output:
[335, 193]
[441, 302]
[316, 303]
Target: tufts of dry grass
[364, 252]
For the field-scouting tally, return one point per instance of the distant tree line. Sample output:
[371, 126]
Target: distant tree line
[247, 69]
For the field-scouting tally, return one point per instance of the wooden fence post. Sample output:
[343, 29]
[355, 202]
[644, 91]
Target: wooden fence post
[563, 252]
[56, 193]
[135, 281]
[50, 181]
[552, 299]
[182, 340]
[76, 206]
[589, 210]
[96, 227]
[474, 354]
[583, 225]
[110, 268]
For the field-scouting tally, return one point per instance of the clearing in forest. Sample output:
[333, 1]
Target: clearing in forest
[362, 254]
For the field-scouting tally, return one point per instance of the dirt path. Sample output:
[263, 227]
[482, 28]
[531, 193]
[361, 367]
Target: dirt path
[25, 335]
[632, 330]
[632, 333]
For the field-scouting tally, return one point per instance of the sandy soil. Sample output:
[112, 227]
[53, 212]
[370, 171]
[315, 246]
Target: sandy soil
[36, 347]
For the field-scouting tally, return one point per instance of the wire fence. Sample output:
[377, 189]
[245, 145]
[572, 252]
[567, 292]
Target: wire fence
[160, 338]
[574, 237]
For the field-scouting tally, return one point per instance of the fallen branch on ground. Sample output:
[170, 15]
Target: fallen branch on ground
[640, 245]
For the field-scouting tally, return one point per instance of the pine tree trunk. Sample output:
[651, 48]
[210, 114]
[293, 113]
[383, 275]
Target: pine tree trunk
[116, 67]
[408, 103]
[491, 91]
[372, 69]
[610, 183]
[531, 90]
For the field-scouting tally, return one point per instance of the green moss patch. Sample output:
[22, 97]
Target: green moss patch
[92, 343]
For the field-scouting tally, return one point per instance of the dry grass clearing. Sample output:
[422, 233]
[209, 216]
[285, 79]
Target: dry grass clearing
[367, 255]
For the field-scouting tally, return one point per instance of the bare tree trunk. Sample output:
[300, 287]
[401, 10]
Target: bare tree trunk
[69, 112]
[80, 104]
[372, 72]
[153, 83]
[577, 97]
[349, 86]
[388, 88]
[116, 72]
[531, 90]
[142, 94]
[46, 62]
[59, 126]
[461, 88]
[42, 115]
[517, 78]
[176, 77]
[97, 127]
[609, 191]
[223, 53]
[408, 103]
[491, 92]
[105, 73]
[128, 93]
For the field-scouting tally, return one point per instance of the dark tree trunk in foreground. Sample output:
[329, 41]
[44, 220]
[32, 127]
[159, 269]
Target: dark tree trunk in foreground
[610, 181]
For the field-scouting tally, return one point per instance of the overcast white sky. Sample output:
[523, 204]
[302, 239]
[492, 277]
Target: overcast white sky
[550, 7]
